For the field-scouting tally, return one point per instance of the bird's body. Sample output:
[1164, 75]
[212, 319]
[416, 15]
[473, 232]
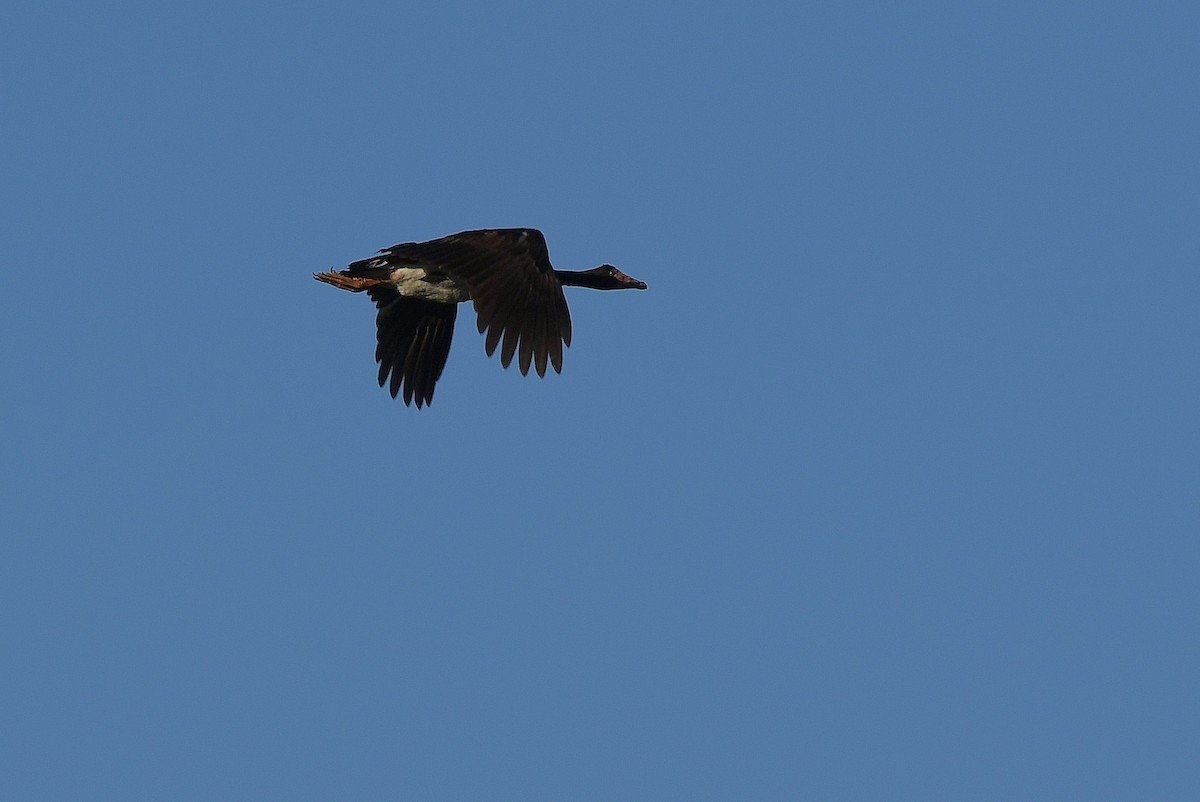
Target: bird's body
[419, 282]
[505, 273]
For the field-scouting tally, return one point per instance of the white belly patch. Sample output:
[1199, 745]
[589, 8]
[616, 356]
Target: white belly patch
[416, 282]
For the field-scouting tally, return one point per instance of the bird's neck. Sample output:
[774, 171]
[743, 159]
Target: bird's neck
[579, 278]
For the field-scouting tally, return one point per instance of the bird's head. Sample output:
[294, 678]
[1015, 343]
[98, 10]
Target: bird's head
[607, 277]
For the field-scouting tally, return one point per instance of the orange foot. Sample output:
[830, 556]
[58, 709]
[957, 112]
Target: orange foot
[347, 282]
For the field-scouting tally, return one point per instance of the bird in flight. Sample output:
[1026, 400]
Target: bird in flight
[507, 275]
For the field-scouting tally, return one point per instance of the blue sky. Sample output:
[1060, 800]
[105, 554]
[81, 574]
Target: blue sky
[887, 487]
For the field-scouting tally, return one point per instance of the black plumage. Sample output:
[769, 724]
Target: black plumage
[507, 275]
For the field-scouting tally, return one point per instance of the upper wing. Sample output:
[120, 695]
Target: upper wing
[413, 340]
[516, 295]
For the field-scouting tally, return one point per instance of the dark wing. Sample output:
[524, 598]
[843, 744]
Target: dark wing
[413, 339]
[517, 297]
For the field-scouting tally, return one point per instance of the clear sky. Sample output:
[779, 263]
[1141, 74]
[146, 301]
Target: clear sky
[888, 487]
